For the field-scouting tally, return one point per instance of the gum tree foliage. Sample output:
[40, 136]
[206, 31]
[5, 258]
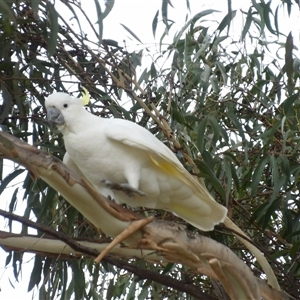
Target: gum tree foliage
[233, 110]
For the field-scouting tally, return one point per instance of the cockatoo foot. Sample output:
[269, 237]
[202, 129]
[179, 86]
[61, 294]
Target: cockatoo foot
[124, 187]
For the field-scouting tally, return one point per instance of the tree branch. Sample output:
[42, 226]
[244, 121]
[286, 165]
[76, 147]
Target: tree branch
[169, 241]
[168, 281]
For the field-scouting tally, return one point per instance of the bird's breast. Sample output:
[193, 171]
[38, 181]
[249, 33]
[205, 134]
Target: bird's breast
[101, 159]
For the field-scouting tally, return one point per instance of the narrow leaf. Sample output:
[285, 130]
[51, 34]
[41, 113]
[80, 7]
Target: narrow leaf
[201, 135]
[108, 7]
[74, 15]
[256, 178]
[35, 276]
[215, 84]
[289, 59]
[9, 178]
[7, 105]
[35, 5]
[275, 175]
[203, 13]
[6, 11]
[154, 23]
[53, 20]
[206, 73]
[132, 33]
[215, 127]
[276, 20]
[267, 11]
[222, 70]
[227, 170]
[164, 11]
[226, 21]
[205, 169]
[100, 21]
[247, 24]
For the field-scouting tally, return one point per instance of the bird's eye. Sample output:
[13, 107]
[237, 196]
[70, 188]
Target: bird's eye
[65, 105]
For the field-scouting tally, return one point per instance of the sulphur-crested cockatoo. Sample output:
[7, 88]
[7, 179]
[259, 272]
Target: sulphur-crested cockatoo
[128, 163]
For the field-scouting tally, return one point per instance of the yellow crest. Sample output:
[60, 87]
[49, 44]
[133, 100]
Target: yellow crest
[85, 96]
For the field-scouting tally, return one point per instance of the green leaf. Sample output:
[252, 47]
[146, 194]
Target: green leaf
[70, 7]
[53, 20]
[100, 21]
[223, 71]
[168, 268]
[153, 71]
[276, 20]
[35, 5]
[205, 170]
[294, 251]
[132, 33]
[226, 21]
[112, 43]
[35, 276]
[201, 135]
[102, 15]
[215, 127]
[256, 178]
[275, 176]
[260, 23]
[266, 13]
[289, 60]
[132, 290]
[288, 104]
[202, 14]
[206, 73]
[144, 76]
[13, 200]
[1, 169]
[17, 264]
[154, 23]
[265, 211]
[7, 12]
[188, 5]
[143, 294]
[192, 22]
[247, 24]
[177, 115]
[108, 7]
[202, 35]
[164, 11]
[214, 84]
[78, 278]
[218, 40]
[7, 103]
[229, 6]
[8, 258]
[227, 170]
[177, 37]
[235, 177]
[236, 123]
[10, 178]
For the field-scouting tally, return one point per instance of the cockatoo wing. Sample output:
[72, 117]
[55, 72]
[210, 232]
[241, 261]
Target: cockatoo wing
[165, 160]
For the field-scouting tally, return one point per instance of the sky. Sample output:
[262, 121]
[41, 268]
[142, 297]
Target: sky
[137, 15]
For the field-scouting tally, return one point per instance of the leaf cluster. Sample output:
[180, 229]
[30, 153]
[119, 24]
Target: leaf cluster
[232, 105]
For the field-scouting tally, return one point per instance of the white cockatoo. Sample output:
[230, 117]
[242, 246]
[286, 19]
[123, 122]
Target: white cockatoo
[128, 163]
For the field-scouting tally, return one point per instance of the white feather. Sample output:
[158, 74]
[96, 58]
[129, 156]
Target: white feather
[124, 152]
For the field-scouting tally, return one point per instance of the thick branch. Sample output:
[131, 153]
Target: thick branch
[169, 241]
[79, 247]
